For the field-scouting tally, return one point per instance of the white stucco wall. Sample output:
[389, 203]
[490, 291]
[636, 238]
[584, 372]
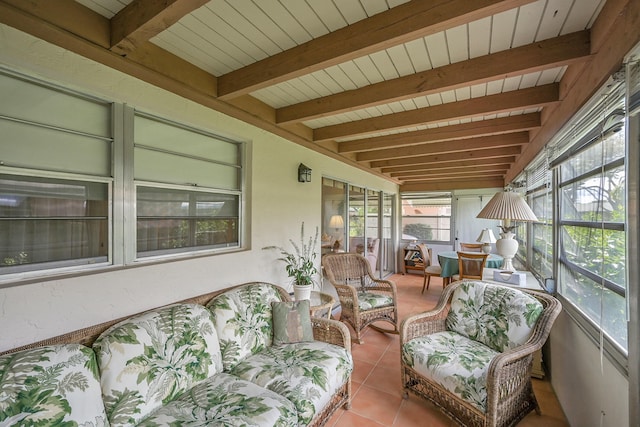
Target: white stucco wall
[591, 391]
[278, 206]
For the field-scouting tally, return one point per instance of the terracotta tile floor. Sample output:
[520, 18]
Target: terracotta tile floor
[376, 387]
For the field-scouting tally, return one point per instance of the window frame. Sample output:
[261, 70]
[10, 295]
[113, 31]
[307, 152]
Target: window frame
[589, 122]
[121, 191]
[437, 218]
[47, 268]
[133, 255]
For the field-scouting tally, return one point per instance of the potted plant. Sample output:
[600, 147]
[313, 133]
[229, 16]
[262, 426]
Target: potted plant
[300, 264]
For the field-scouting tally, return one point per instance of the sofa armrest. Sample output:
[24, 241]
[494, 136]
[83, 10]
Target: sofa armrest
[332, 332]
[428, 322]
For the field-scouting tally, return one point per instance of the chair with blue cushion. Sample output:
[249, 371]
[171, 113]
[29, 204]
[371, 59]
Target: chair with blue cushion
[363, 298]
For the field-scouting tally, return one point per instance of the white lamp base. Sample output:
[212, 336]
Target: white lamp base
[507, 247]
[486, 248]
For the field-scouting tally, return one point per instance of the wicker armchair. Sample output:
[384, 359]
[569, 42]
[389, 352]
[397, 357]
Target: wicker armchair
[363, 299]
[475, 363]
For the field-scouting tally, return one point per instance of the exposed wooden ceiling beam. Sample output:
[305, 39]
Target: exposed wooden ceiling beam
[442, 177]
[452, 184]
[517, 99]
[65, 14]
[466, 144]
[449, 157]
[74, 27]
[141, 20]
[537, 56]
[448, 165]
[520, 122]
[452, 171]
[397, 25]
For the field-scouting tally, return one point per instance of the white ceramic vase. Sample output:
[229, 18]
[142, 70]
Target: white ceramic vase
[507, 247]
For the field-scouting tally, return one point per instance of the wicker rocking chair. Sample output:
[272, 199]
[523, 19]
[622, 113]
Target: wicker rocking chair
[475, 364]
[363, 299]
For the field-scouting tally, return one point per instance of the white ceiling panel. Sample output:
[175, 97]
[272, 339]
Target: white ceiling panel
[458, 43]
[527, 23]
[417, 51]
[502, 29]
[554, 17]
[437, 49]
[480, 37]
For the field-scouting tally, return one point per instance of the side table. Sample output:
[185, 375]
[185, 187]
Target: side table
[321, 304]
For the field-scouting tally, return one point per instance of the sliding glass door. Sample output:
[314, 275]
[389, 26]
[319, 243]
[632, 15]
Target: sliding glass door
[352, 222]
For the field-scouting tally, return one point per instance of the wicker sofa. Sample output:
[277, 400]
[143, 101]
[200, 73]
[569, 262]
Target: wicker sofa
[472, 354]
[211, 359]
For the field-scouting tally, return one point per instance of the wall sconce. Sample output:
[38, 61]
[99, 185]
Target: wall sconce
[304, 173]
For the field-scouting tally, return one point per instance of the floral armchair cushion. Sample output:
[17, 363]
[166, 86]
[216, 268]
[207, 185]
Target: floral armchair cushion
[149, 360]
[371, 300]
[243, 320]
[306, 373]
[498, 316]
[454, 361]
[53, 385]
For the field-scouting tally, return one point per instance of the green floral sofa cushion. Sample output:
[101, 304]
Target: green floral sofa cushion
[51, 386]
[369, 300]
[148, 360]
[456, 362]
[306, 373]
[224, 400]
[243, 320]
[497, 316]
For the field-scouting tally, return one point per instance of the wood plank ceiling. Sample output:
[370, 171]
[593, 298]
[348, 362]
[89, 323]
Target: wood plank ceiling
[432, 94]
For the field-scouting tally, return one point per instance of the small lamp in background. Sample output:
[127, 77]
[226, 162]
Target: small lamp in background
[507, 206]
[337, 222]
[304, 173]
[486, 237]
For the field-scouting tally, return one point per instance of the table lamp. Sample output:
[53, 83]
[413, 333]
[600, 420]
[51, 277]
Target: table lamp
[486, 237]
[337, 222]
[507, 206]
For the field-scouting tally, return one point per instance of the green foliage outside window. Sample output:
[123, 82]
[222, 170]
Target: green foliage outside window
[421, 231]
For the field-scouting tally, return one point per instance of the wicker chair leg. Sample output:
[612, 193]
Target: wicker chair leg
[535, 401]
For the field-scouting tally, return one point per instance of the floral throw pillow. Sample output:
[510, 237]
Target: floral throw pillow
[243, 320]
[498, 316]
[150, 359]
[291, 322]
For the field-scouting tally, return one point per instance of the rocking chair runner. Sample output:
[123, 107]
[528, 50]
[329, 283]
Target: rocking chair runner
[363, 298]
